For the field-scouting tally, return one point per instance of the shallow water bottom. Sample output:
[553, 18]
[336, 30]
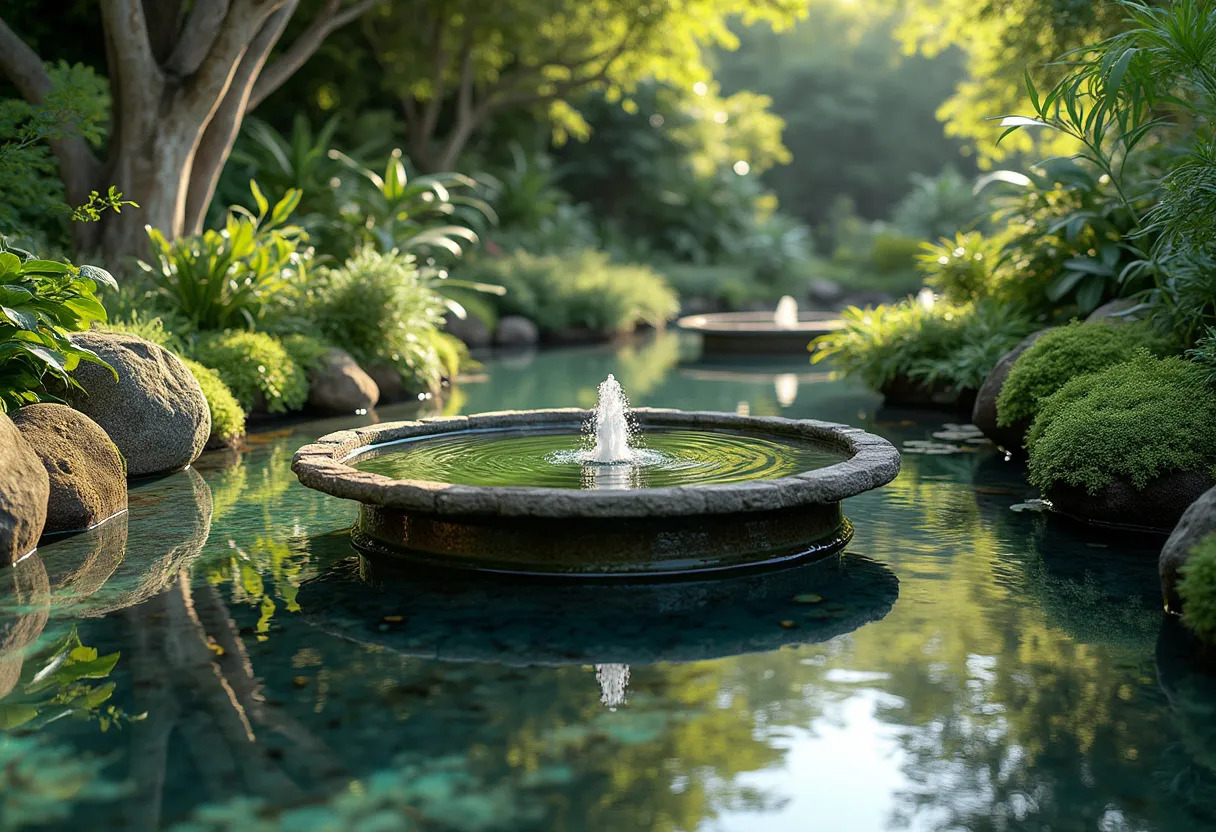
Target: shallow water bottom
[223, 660]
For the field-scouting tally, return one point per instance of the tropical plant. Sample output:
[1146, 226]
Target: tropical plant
[235, 276]
[255, 368]
[1133, 421]
[1204, 353]
[957, 345]
[41, 303]
[576, 290]
[1063, 354]
[380, 309]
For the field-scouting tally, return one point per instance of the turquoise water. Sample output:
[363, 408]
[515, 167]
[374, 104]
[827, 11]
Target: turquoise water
[220, 659]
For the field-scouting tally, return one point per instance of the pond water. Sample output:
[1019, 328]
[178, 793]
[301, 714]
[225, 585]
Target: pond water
[964, 666]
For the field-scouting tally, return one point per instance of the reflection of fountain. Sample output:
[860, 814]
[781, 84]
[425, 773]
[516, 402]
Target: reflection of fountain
[613, 680]
[786, 385]
[611, 477]
[612, 424]
[786, 316]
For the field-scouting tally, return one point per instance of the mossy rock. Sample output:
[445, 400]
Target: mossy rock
[1196, 523]
[984, 413]
[1154, 507]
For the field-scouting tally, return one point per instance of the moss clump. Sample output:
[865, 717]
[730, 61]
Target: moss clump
[227, 417]
[255, 366]
[1063, 354]
[1134, 421]
[1197, 588]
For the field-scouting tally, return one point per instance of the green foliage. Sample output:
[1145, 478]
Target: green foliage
[1132, 421]
[236, 276]
[149, 328]
[1204, 353]
[41, 303]
[959, 269]
[938, 206]
[1197, 589]
[227, 415]
[305, 350]
[256, 368]
[577, 290]
[954, 344]
[379, 308]
[1062, 354]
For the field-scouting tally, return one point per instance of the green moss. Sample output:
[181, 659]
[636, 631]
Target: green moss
[1134, 421]
[254, 364]
[1197, 588]
[576, 289]
[1062, 354]
[227, 417]
[955, 344]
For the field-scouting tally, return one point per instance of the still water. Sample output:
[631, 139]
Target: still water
[220, 659]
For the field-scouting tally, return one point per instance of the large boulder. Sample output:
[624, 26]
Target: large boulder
[88, 478]
[470, 329]
[388, 382]
[516, 331]
[1196, 523]
[1156, 507]
[24, 490]
[154, 411]
[339, 385]
[983, 414]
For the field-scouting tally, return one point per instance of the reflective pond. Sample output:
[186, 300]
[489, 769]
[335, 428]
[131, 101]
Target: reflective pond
[221, 659]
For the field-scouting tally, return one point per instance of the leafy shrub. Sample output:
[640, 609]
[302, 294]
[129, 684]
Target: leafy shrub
[304, 350]
[256, 368]
[1134, 421]
[379, 309]
[234, 277]
[1062, 354]
[1204, 353]
[943, 342]
[1197, 589]
[937, 206]
[578, 289]
[893, 253]
[151, 329]
[227, 416]
[960, 269]
[41, 303]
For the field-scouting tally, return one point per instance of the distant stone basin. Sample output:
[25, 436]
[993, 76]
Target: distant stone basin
[755, 333]
[602, 533]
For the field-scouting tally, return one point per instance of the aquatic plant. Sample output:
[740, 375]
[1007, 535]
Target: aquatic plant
[1062, 354]
[1197, 588]
[256, 368]
[1133, 421]
[227, 416]
[955, 344]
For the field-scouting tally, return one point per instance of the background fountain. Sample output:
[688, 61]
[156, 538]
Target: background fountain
[785, 331]
[514, 492]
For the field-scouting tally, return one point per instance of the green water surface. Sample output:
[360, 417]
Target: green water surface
[219, 659]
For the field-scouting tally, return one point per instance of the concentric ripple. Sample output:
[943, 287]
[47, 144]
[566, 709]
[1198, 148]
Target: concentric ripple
[559, 459]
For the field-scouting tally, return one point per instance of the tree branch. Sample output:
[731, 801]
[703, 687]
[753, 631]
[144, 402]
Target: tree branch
[125, 24]
[197, 37]
[305, 46]
[246, 20]
[23, 67]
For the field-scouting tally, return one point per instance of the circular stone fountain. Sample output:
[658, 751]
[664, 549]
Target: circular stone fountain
[785, 331]
[609, 492]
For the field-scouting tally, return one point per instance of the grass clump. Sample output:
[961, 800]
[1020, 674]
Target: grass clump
[1197, 589]
[379, 308]
[579, 289]
[1133, 421]
[227, 417]
[1062, 354]
[256, 368]
[955, 344]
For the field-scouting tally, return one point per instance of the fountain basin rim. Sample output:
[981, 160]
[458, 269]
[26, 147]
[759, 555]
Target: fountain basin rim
[323, 465]
[758, 324]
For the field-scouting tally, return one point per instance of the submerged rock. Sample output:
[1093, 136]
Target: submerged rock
[24, 490]
[155, 411]
[1157, 507]
[516, 331]
[1196, 523]
[88, 478]
[339, 385]
[983, 414]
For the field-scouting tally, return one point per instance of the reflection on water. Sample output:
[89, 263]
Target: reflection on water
[968, 667]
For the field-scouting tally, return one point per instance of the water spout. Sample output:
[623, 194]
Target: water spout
[614, 681]
[786, 316]
[612, 425]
